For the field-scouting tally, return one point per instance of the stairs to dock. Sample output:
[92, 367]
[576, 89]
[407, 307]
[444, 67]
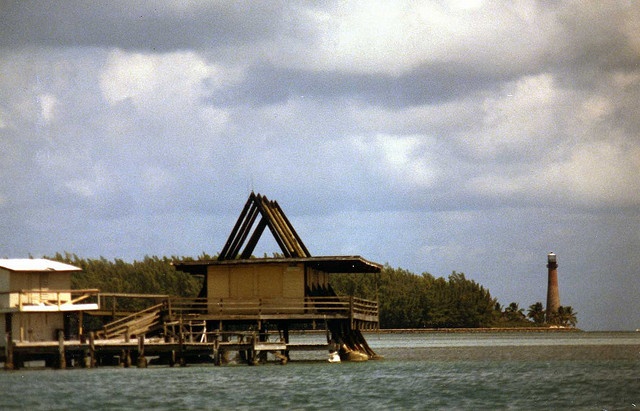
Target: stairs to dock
[141, 322]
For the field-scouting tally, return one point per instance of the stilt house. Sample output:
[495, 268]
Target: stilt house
[291, 290]
[36, 299]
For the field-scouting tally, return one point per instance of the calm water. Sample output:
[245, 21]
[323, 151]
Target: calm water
[584, 371]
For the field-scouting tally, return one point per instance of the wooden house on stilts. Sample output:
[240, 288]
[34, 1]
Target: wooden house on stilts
[248, 305]
[37, 306]
[285, 293]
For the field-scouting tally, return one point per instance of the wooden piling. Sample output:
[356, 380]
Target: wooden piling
[62, 361]
[125, 359]
[8, 351]
[92, 349]
[224, 354]
[181, 360]
[216, 352]
[285, 333]
[262, 337]
[142, 361]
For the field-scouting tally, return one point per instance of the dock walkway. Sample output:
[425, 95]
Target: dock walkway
[251, 348]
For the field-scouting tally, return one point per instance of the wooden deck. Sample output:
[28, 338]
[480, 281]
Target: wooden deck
[175, 330]
[211, 347]
[308, 309]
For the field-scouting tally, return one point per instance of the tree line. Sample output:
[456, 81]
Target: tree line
[406, 300]
[152, 275]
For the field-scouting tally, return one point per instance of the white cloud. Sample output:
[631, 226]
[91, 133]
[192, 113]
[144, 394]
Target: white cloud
[161, 83]
[81, 187]
[160, 103]
[524, 119]
[48, 103]
[594, 109]
[129, 76]
[596, 175]
[214, 117]
[397, 37]
[603, 173]
[156, 179]
[450, 117]
[95, 181]
[631, 27]
[405, 161]
[3, 120]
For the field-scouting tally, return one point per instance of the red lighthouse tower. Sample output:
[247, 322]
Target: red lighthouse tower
[553, 295]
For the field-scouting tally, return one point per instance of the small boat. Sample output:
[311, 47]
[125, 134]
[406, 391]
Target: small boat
[334, 356]
[354, 356]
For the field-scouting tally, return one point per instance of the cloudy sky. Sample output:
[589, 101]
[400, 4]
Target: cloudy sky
[434, 136]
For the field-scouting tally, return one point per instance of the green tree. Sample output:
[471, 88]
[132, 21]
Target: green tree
[152, 275]
[401, 297]
[458, 302]
[408, 300]
[566, 317]
[514, 313]
[536, 313]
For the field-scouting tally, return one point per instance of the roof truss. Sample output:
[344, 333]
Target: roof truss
[272, 217]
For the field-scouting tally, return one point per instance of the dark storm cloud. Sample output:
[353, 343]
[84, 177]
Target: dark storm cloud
[597, 36]
[429, 84]
[147, 25]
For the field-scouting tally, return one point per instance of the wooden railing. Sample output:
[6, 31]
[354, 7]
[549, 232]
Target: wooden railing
[186, 316]
[132, 324]
[123, 304]
[360, 306]
[349, 307]
[48, 300]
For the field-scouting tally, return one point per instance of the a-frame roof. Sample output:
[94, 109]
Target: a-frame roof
[273, 217]
[294, 251]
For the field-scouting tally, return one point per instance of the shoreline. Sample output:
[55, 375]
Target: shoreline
[472, 330]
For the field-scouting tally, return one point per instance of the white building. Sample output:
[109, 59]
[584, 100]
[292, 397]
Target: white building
[35, 295]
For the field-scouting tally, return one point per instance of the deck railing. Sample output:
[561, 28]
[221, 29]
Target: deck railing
[124, 304]
[49, 300]
[349, 307]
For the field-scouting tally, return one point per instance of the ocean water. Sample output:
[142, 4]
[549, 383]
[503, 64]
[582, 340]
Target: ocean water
[430, 371]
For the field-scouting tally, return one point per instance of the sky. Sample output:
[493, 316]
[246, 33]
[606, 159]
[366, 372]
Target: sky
[435, 136]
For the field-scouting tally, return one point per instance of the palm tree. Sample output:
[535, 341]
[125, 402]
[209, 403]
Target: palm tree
[566, 316]
[536, 313]
[514, 312]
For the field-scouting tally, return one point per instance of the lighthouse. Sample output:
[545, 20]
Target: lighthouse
[553, 295]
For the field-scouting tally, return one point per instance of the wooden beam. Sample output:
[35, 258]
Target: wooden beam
[286, 231]
[295, 234]
[276, 234]
[227, 246]
[273, 217]
[253, 241]
[244, 233]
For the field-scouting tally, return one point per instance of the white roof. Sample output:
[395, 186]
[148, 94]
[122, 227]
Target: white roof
[35, 264]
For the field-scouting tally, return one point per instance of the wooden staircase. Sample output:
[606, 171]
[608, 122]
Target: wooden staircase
[141, 322]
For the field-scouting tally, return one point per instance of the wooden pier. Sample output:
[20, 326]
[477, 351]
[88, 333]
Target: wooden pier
[214, 347]
[247, 305]
[198, 330]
